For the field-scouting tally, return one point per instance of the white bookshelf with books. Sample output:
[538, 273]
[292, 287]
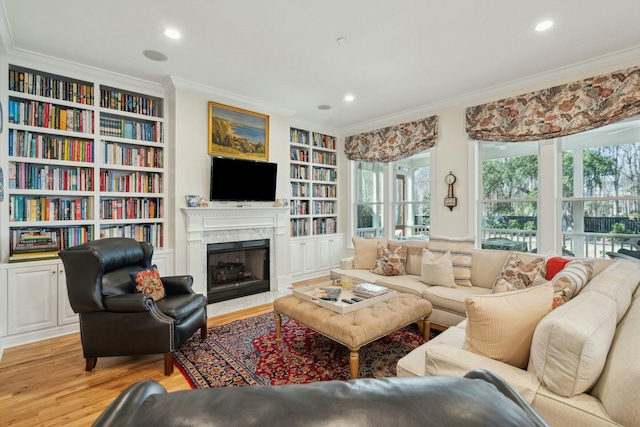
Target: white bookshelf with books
[313, 174]
[82, 160]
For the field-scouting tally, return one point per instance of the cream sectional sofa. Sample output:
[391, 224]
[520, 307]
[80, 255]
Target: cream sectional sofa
[584, 363]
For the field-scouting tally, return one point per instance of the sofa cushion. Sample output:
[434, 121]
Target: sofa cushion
[570, 345]
[414, 253]
[148, 282]
[366, 251]
[461, 254]
[390, 262]
[452, 299]
[519, 274]
[409, 283]
[437, 271]
[618, 281]
[568, 282]
[500, 326]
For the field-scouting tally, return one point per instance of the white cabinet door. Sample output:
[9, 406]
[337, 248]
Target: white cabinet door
[65, 312]
[304, 254]
[32, 298]
[330, 251]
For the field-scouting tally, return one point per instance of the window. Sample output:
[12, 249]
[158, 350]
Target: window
[509, 204]
[398, 191]
[601, 189]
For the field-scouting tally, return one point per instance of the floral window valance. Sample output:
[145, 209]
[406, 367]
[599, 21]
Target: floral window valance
[394, 142]
[558, 111]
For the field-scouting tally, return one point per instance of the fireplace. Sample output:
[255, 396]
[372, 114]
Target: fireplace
[236, 269]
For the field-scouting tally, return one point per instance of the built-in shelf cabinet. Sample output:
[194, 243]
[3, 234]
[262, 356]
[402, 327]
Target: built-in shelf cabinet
[85, 161]
[316, 246]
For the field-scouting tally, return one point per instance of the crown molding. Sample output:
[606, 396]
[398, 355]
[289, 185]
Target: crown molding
[545, 79]
[177, 83]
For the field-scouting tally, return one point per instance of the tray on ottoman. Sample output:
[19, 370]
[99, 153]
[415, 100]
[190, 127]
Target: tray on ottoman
[306, 293]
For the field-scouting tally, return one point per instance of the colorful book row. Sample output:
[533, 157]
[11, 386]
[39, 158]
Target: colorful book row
[27, 176]
[299, 227]
[117, 100]
[118, 154]
[38, 146]
[324, 158]
[50, 116]
[323, 174]
[50, 87]
[299, 190]
[324, 141]
[298, 136]
[299, 155]
[298, 172]
[151, 132]
[324, 208]
[323, 190]
[131, 208]
[299, 207]
[135, 182]
[325, 225]
[152, 233]
[27, 208]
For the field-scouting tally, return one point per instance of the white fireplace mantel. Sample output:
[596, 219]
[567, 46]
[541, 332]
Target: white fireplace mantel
[233, 224]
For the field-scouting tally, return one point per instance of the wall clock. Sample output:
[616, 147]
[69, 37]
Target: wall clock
[450, 201]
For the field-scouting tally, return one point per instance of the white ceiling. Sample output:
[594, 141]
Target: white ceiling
[401, 55]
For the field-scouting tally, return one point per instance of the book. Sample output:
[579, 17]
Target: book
[369, 290]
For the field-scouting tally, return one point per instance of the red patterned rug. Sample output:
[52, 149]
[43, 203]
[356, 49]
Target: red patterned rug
[244, 352]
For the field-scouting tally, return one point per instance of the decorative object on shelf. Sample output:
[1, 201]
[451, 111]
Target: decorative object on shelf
[450, 201]
[234, 132]
[280, 203]
[192, 200]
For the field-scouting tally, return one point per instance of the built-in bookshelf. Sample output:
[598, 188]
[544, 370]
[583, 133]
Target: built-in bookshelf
[313, 179]
[84, 161]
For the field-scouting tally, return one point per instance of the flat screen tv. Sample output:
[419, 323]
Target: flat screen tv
[242, 180]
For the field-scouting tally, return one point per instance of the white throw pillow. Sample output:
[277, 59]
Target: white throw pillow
[501, 326]
[366, 252]
[437, 271]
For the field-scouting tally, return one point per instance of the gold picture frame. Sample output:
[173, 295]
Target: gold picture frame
[234, 132]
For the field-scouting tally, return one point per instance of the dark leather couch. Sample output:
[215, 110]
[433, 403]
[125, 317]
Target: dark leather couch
[479, 399]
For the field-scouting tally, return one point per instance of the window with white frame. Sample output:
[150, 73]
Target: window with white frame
[601, 189]
[597, 183]
[393, 200]
[509, 203]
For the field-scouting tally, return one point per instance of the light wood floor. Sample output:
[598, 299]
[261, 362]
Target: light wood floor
[45, 384]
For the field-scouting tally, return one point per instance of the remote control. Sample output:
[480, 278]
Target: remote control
[356, 299]
[348, 301]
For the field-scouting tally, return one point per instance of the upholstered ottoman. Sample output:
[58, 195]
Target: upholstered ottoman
[359, 327]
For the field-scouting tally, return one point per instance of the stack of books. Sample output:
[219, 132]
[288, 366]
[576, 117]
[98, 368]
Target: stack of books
[369, 290]
[34, 244]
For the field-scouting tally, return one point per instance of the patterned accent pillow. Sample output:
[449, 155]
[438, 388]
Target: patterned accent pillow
[391, 262]
[568, 282]
[461, 251]
[518, 274]
[148, 282]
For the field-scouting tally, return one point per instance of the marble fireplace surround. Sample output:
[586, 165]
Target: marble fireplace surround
[234, 224]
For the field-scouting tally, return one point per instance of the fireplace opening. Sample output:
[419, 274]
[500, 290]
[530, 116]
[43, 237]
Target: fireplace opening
[237, 269]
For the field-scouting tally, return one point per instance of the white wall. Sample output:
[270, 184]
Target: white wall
[191, 162]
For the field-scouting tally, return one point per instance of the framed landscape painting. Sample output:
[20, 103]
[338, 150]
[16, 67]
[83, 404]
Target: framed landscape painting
[234, 132]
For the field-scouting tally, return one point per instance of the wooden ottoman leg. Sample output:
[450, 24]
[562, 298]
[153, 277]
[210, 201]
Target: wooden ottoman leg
[426, 328]
[278, 329]
[353, 364]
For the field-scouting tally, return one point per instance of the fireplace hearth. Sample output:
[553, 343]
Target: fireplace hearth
[237, 269]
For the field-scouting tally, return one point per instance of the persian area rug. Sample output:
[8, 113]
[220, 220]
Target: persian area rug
[244, 352]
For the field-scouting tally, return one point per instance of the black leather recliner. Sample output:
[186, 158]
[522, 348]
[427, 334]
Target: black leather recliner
[115, 320]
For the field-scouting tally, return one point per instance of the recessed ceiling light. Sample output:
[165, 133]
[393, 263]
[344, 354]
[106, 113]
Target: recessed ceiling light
[544, 25]
[172, 34]
[349, 98]
[324, 107]
[154, 55]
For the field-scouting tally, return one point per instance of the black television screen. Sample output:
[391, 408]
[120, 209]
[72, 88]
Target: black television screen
[242, 180]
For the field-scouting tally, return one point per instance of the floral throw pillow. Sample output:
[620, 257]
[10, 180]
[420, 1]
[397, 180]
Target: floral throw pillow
[148, 282]
[391, 262]
[518, 274]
